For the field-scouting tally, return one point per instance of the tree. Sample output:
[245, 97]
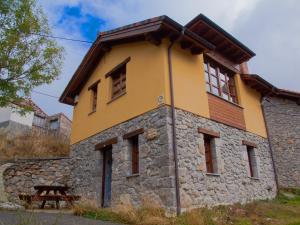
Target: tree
[28, 56]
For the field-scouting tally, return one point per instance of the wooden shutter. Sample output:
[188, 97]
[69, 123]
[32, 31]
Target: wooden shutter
[135, 155]
[208, 154]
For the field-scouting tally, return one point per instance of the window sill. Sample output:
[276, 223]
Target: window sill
[91, 113]
[213, 174]
[133, 175]
[232, 103]
[254, 178]
[115, 98]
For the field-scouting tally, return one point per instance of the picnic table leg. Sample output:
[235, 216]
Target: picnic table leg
[44, 202]
[56, 201]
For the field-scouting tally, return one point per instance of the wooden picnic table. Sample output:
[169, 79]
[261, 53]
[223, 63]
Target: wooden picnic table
[50, 193]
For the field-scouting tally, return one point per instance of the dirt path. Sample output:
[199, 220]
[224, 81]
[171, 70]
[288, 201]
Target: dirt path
[40, 218]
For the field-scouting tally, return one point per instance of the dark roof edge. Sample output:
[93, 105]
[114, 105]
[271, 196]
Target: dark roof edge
[272, 89]
[221, 30]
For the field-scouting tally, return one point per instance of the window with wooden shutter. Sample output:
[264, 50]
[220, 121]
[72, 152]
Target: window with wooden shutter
[208, 154]
[94, 94]
[134, 143]
[119, 82]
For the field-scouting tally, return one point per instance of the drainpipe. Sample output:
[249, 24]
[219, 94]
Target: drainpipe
[269, 141]
[174, 140]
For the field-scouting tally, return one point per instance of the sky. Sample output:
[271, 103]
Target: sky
[271, 28]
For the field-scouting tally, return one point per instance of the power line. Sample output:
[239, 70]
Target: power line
[41, 93]
[62, 38]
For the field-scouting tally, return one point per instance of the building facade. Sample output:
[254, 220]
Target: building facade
[36, 120]
[162, 112]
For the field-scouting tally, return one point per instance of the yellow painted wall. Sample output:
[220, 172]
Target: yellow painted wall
[147, 78]
[250, 100]
[189, 82]
[145, 82]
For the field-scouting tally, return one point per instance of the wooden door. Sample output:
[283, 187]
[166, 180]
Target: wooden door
[106, 178]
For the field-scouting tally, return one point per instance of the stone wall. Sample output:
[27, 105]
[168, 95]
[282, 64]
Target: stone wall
[231, 183]
[21, 176]
[283, 121]
[156, 180]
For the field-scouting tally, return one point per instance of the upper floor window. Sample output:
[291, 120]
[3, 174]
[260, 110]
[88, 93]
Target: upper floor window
[220, 82]
[119, 82]
[94, 93]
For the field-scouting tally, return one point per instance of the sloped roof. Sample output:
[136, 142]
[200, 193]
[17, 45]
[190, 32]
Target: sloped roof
[266, 88]
[33, 106]
[225, 43]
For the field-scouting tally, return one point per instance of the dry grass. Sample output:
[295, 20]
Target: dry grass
[281, 211]
[32, 145]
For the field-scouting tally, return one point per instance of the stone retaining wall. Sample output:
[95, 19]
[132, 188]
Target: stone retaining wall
[21, 176]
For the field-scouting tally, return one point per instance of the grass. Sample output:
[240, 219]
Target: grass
[32, 145]
[284, 210]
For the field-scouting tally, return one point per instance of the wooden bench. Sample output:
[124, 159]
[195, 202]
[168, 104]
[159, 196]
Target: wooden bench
[62, 196]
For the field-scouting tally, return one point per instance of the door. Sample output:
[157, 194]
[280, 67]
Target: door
[106, 178]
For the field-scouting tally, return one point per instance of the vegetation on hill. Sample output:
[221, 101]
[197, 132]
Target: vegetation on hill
[284, 210]
[32, 145]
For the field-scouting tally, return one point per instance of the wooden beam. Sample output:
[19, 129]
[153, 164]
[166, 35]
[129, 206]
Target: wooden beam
[117, 67]
[133, 133]
[208, 132]
[106, 143]
[196, 50]
[153, 39]
[186, 44]
[248, 143]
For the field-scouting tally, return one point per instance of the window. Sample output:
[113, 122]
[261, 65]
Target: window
[94, 93]
[220, 82]
[119, 82]
[39, 121]
[134, 146]
[208, 154]
[54, 124]
[252, 161]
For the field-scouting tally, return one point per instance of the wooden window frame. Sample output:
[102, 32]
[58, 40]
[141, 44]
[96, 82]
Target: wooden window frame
[208, 154]
[118, 79]
[229, 81]
[94, 96]
[134, 152]
[250, 160]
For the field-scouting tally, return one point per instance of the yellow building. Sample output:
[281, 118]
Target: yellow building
[162, 110]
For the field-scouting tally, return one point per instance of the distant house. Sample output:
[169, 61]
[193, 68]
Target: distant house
[162, 111]
[36, 120]
[282, 114]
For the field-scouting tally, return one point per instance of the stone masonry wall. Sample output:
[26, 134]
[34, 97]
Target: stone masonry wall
[283, 121]
[231, 182]
[23, 175]
[155, 180]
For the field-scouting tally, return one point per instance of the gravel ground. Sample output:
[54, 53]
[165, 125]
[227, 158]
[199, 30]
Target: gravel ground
[41, 218]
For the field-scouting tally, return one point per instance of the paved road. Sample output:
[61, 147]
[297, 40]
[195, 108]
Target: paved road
[27, 218]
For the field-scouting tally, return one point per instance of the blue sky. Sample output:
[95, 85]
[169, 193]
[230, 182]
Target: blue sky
[270, 28]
